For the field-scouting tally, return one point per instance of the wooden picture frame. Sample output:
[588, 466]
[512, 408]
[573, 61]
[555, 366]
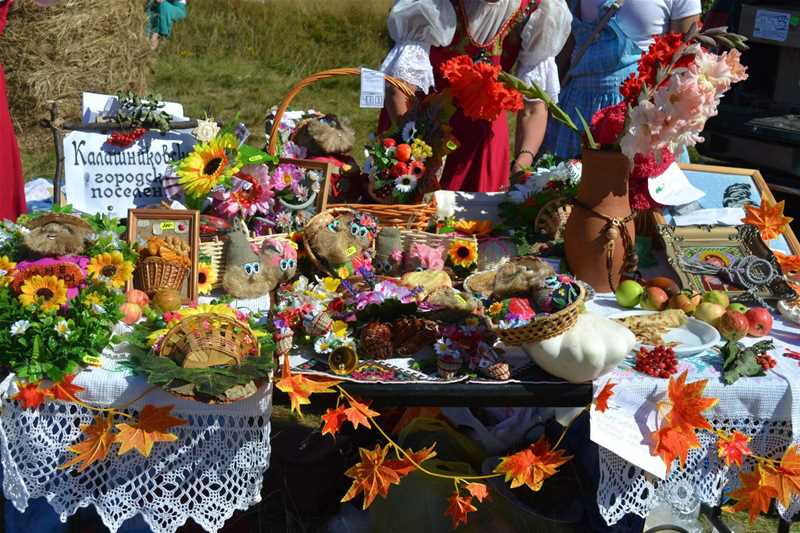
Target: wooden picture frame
[720, 245]
[716, 177]
[320, 201]
[144, 223]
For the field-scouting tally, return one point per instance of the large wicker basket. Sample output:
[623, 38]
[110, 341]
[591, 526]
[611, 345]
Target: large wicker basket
[544, 327]
[398, 215]
[153, 274]
[209, 339]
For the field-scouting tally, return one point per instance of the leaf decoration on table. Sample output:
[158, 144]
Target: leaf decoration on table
[688, 403]
[406, 465]
[532, 465]
[359, 414]
[66, 390]
[30, 396]
[733, 448]
[790, 264]
[785, 478]
[458, 508]
[768, 218]
[479, 491]
[601, 402]
[333, 420]
[371, 476]
[740, 361]
[151, 427]
[300, 388]
[671, 443]
[96, 445]
[754, 496]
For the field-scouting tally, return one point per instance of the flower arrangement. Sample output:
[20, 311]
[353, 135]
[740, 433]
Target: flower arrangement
[397, 166]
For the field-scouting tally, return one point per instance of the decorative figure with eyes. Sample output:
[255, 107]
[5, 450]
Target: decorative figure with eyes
[244, 278]
[422, 257]
[57, 234]
[278, 261]
[341, 243]
[364, 228]
[389, 253]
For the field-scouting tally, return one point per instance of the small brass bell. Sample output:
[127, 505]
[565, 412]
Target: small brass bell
[343, 360]
[612, 233]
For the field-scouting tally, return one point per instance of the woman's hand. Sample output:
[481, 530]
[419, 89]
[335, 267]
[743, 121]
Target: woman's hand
[531, 125]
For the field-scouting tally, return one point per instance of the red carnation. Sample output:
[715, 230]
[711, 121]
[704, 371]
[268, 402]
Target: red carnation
[476, 89]
[648, 167]
[639, 196]
[607, 123]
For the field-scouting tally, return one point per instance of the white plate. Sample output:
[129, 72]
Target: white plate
[692, 338]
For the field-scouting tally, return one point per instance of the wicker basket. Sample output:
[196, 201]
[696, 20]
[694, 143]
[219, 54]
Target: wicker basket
[403, 216]
[434, 240]
[545, 327]
[154, 273]
[209, 339]
[551, 220]
[214, 249]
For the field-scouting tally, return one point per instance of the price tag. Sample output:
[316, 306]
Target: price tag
[460, 300]
[168, 226]
[351, 251]
[373, 89]
[92, 360]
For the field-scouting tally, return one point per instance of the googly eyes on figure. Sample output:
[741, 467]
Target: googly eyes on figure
[251, 268]
[334, 226]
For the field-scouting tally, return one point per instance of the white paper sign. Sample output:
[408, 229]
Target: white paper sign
[723, 216]
[373, 88]
[772, 25]
[673, 187]
[100, 178]
[95, 104]
[621, 433]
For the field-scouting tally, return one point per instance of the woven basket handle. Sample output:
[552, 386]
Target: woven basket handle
[399, 84]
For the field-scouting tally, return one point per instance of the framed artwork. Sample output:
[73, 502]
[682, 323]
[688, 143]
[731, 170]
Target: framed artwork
[180, 231]
[720, 246]
[731, 188]
[305, 192]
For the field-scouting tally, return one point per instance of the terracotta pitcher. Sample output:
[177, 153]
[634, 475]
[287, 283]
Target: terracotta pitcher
[602, 194]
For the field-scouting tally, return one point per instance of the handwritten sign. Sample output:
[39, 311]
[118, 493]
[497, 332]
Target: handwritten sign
[100, 178]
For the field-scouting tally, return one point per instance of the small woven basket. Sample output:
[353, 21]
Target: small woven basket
[209, 339]
[545, 327]
[153, 274]
[433, 240]
[412, 217]
[551, 220]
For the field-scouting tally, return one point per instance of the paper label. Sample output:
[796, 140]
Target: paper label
[351, 251]
[92, 360]
[460, 300]
[168, 226]
[673, 187]
[772, 25]
[373, 89]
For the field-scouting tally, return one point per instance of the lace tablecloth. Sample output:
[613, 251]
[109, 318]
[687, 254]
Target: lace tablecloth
[765, 408]
[213, 469]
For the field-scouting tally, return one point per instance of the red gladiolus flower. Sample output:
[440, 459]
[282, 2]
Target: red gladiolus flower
[476, 89]
[648, 167]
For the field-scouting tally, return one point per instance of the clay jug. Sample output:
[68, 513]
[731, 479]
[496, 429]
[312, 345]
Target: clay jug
[603, 191]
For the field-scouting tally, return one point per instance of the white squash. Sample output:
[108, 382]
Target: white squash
[594, 346]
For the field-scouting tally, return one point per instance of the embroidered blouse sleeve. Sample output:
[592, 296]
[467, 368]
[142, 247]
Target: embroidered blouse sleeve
[415, 26]
[543, 37]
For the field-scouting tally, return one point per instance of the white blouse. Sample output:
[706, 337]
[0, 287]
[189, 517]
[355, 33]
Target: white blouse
[417, 25]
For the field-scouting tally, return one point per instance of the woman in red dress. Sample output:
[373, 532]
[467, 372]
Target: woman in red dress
[12, 186]
[525, 33]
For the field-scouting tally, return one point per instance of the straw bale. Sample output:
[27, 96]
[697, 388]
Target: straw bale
[56, 53]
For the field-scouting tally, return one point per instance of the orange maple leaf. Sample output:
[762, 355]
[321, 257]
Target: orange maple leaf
[359, 413]
[768, 218]
[95, 446]
[754, 496]
[479, 228]
[673, 443]
[404, 466]
[733, 448]
[300, 388]
[688, 403]
[66, 390]
[371, 476]
[785, 479]
[151, 427]
[333, 418]
[478, 490]
[458, 509]
[601, 402]
[532, 465]
[30, 395]
[790, 264]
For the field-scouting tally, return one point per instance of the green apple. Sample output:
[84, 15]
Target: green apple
[738, 307]
[717, 297]
[629, 293]
[709, 313]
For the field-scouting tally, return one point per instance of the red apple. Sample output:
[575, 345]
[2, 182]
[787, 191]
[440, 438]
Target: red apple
[137, 297]
[760, 321]
[665, 284]
[733, 325]
[654, 299]
[686, 303]
[131, 313]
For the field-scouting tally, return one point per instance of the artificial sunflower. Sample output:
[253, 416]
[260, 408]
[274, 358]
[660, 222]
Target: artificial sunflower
[112, 268]
[206, 277]
[6, 270]
[474, 227]
[208, 165]
[48, 292]
[463, 253]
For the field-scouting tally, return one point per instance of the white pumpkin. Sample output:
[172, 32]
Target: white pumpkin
[591, 348]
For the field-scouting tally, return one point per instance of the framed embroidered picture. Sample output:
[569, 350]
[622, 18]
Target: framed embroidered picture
[301, 188]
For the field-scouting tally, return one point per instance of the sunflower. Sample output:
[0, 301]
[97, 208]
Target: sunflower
[112, 268]
[207, 166]
[6, 270]
[48, 292]
[463, 253]
[206, 277]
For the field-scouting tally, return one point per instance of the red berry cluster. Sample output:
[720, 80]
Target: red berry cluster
[660, 362]
[766, 361]
[124, 139]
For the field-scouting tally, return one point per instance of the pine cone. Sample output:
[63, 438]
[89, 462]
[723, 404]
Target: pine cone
[411, 334]
[376, 341]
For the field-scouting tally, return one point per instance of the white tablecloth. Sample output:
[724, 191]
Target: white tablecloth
[765, 408]
[214, 468]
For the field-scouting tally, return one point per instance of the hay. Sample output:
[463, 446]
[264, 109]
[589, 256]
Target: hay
[58, 52]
